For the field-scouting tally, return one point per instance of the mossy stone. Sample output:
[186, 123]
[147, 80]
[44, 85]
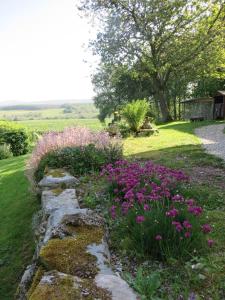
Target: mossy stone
[70, 255]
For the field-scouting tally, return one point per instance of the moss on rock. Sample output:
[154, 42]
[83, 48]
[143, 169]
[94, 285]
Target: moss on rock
[70, 255]
[37, 277]
[56, 286]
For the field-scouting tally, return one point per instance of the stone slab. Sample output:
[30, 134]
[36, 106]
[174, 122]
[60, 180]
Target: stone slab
[51, 201]
[58, 178]
[118, 287]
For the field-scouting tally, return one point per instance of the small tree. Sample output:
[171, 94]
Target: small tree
[135, 113]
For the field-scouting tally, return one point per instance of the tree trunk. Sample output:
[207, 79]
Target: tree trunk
[160, 94]
[166, 116]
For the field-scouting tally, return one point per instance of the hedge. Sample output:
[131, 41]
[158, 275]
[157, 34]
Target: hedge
[15, 136]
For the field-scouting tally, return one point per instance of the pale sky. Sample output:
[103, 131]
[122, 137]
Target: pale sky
[41, 53]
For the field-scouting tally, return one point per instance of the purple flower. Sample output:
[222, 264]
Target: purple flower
[178, 226]
[146, 207]
[113, 212]
[158, 237]
[178, 198]
[172, 213]
[195, 210]
[206, 228]
[187, 234]
[187, 225]
[210, 243]
[140, 219]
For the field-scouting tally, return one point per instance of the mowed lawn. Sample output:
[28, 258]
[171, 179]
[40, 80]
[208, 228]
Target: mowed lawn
[17, 205]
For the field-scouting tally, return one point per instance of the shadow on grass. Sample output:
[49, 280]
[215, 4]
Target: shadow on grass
[184, 157]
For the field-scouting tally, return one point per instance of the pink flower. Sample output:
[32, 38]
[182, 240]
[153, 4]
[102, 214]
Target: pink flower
[172, 213]
[146, 207]
[178, 226]
[187, 234]
[195, 210]
[206, 228]
[190, 202]
[113, 212]
[140, 219]
[187, 225]
[178, 198]
[210, 243]
[158, 237]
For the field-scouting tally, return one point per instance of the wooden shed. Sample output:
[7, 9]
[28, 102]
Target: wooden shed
[205, 108]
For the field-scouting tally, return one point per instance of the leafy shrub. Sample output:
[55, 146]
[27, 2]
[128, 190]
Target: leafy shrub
[79, 149]
[150, 213]
[15, 136]
[135, 113]
[5, 151]
[78, 160]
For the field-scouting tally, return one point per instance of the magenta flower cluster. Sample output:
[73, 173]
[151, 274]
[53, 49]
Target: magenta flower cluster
[143, 187]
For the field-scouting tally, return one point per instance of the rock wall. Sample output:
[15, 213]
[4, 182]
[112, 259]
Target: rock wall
[71, 260]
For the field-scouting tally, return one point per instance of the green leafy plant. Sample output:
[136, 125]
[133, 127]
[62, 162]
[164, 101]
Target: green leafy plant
[134, 113]
[145, 284]
[5, 151]
[14, 135]
[79, 160]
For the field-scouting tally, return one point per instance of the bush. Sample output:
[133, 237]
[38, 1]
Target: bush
[135, 113]
[5, 151]
[78, 149]
[78, 160]
[15, 136]
[151, 215]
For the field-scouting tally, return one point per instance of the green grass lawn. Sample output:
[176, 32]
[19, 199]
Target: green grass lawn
[47, 125]
[16, 238]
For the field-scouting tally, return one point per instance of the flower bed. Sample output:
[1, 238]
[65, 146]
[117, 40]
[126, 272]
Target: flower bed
[76, 148]
[151, 214]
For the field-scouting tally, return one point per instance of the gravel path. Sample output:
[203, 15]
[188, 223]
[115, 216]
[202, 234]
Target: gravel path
[213, 139]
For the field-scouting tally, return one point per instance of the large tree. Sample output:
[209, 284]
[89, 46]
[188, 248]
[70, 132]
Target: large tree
[168, 36]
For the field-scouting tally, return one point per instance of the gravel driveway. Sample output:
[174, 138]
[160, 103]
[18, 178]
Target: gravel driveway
[213, 139]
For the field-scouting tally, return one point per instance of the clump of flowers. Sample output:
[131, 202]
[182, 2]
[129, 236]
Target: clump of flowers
[152, 213]
[72, 137]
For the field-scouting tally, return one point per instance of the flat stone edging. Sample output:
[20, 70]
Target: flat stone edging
[60, 211]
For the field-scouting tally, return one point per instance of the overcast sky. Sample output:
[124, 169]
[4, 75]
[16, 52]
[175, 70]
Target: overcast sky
[41, 53]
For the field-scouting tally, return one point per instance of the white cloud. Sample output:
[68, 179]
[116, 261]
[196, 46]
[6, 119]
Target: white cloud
[41, 53]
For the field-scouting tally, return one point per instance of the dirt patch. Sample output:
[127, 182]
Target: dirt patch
[208, 175]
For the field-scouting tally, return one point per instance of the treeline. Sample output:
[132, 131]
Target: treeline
[161, 50]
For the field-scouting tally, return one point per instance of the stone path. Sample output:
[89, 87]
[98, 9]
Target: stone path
[213, 139]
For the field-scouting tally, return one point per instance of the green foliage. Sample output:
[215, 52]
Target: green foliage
[5, 151]
[14, 135]
[145, 284]
[78, 160]
[135, 113]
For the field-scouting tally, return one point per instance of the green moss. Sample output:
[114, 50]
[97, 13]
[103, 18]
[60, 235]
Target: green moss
[37, 277]
[59, 289]
[57, 191]
[57, 173]
[66, 288]
[69, 255]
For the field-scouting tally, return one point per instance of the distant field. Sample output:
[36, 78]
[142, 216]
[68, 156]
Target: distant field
[46, 125]
[66, 111]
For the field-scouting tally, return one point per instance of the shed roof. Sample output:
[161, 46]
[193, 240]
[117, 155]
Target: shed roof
[221, 93]
[202, 99]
